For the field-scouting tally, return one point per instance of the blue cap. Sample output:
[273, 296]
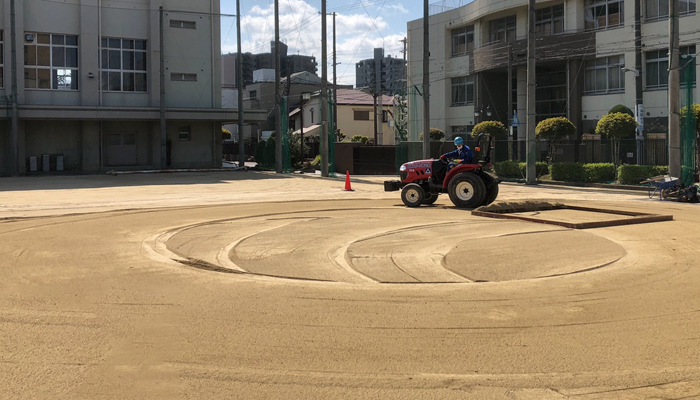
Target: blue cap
[458, 140]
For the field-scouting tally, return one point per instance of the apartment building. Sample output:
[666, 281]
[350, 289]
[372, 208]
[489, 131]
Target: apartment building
[591, 55]
[89, 85]
[391, 73]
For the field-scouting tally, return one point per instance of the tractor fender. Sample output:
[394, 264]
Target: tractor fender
[458, 170]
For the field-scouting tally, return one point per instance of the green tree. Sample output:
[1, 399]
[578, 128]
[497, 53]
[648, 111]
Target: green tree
[493, 128]
[695, 116]
[436, 135]
[401, 117]
[552, 131]
[616, 127]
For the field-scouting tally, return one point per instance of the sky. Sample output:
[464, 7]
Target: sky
[361, 26]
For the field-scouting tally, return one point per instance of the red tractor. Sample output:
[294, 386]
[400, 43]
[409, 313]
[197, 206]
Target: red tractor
[469, 185]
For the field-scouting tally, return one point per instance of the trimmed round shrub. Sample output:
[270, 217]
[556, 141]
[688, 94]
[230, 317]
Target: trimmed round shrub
[260, 152]
[616, 126]
[555, 128]
[621, 108]
[436, 135]
[494, 128]
[359, 139]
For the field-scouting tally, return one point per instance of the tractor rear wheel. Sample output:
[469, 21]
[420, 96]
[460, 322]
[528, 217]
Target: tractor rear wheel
[412, 195]
[430, 198]
[466, 190]
[491, 189]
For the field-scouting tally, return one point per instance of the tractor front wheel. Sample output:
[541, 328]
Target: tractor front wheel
[412, 195]
[466, 190]
[430, 198]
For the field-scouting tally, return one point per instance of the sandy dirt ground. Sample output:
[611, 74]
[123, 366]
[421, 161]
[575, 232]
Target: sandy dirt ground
[254, 286]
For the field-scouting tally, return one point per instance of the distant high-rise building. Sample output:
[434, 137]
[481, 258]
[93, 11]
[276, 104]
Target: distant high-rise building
[391, 72]
[290, 64]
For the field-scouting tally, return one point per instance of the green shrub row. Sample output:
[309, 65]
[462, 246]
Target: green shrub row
[515, 169]
[633, 174]
[579, 172]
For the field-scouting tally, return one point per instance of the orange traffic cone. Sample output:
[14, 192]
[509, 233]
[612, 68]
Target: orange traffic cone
[347, 182]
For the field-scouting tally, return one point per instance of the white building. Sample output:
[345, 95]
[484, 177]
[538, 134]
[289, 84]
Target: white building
[587, 55]
[89, 84]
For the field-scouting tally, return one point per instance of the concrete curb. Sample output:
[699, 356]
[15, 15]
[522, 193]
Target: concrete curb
[169, 171]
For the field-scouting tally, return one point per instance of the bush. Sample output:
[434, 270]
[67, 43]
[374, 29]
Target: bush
[268, 159]
[493, 128]
[514, 169]
[360, 139]
[568, 171]
[621, 108]
[633, 174]
[696, 116]
[225, 134]
[601, 172]
[556, 128]
[436, 135]
[508, 169]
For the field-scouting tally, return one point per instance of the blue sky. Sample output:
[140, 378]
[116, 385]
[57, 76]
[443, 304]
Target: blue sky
[361, 25]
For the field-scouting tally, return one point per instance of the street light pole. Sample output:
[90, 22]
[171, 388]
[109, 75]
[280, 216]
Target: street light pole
[239, 85]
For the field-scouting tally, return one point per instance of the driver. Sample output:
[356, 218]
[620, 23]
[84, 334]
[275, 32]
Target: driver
[462, 152]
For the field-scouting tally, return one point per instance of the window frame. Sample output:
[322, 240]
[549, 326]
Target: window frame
[355, 114]
[184, 133]
[183, 77]
[660, 15]
[506, 26]
[662, 61]
[554, 14]
[108, 72]
[606, 4]
[54, 70]
[2, 58]
[463, 83]
[183, 24]
[467, 33]
[609, 67]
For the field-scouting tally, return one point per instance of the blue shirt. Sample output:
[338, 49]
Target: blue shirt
[464, 154]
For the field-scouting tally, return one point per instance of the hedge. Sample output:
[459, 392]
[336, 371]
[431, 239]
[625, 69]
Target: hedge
[633, 174]
[568, 171]
[515, 169]
[601, 172]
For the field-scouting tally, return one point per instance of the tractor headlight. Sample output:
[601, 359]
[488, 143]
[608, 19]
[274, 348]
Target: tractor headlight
[403, 168]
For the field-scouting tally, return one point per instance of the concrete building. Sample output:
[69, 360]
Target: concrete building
[391, 72]
[355, 116]
[89, 85]
[289, 63]
[589, 59]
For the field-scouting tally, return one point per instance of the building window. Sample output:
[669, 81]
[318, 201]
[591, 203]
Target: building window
[312, 115]
[502, 29]
[657, 67]
[462, 90]
[185, 133]
[605, 75]
[601, 14]
[361, 115]
[123, 65]
[253, 94]
[179, 77]
[51, 61]
[183, 24]
[549, 21]
[462, 40]
[658, 9]
[385, 116]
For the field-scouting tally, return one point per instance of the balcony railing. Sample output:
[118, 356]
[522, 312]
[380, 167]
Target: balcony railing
[446, 5]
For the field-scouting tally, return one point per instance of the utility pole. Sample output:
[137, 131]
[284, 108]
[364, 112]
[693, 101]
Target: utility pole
[163, 126]
[378, 86]
[324, 91]
[639, 93]
[531, 173]
[510, 102]
[14, 140]
[674, 139]
[426, 80]
[239, 85]
[278, 94]
[335, 81]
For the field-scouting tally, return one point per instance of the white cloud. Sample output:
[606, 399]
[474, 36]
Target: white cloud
[398, 7]
[300, 28]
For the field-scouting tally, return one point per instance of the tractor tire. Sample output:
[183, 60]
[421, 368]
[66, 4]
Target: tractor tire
[412, 195]
[491, 189]
[466, 190]
[430, 198]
